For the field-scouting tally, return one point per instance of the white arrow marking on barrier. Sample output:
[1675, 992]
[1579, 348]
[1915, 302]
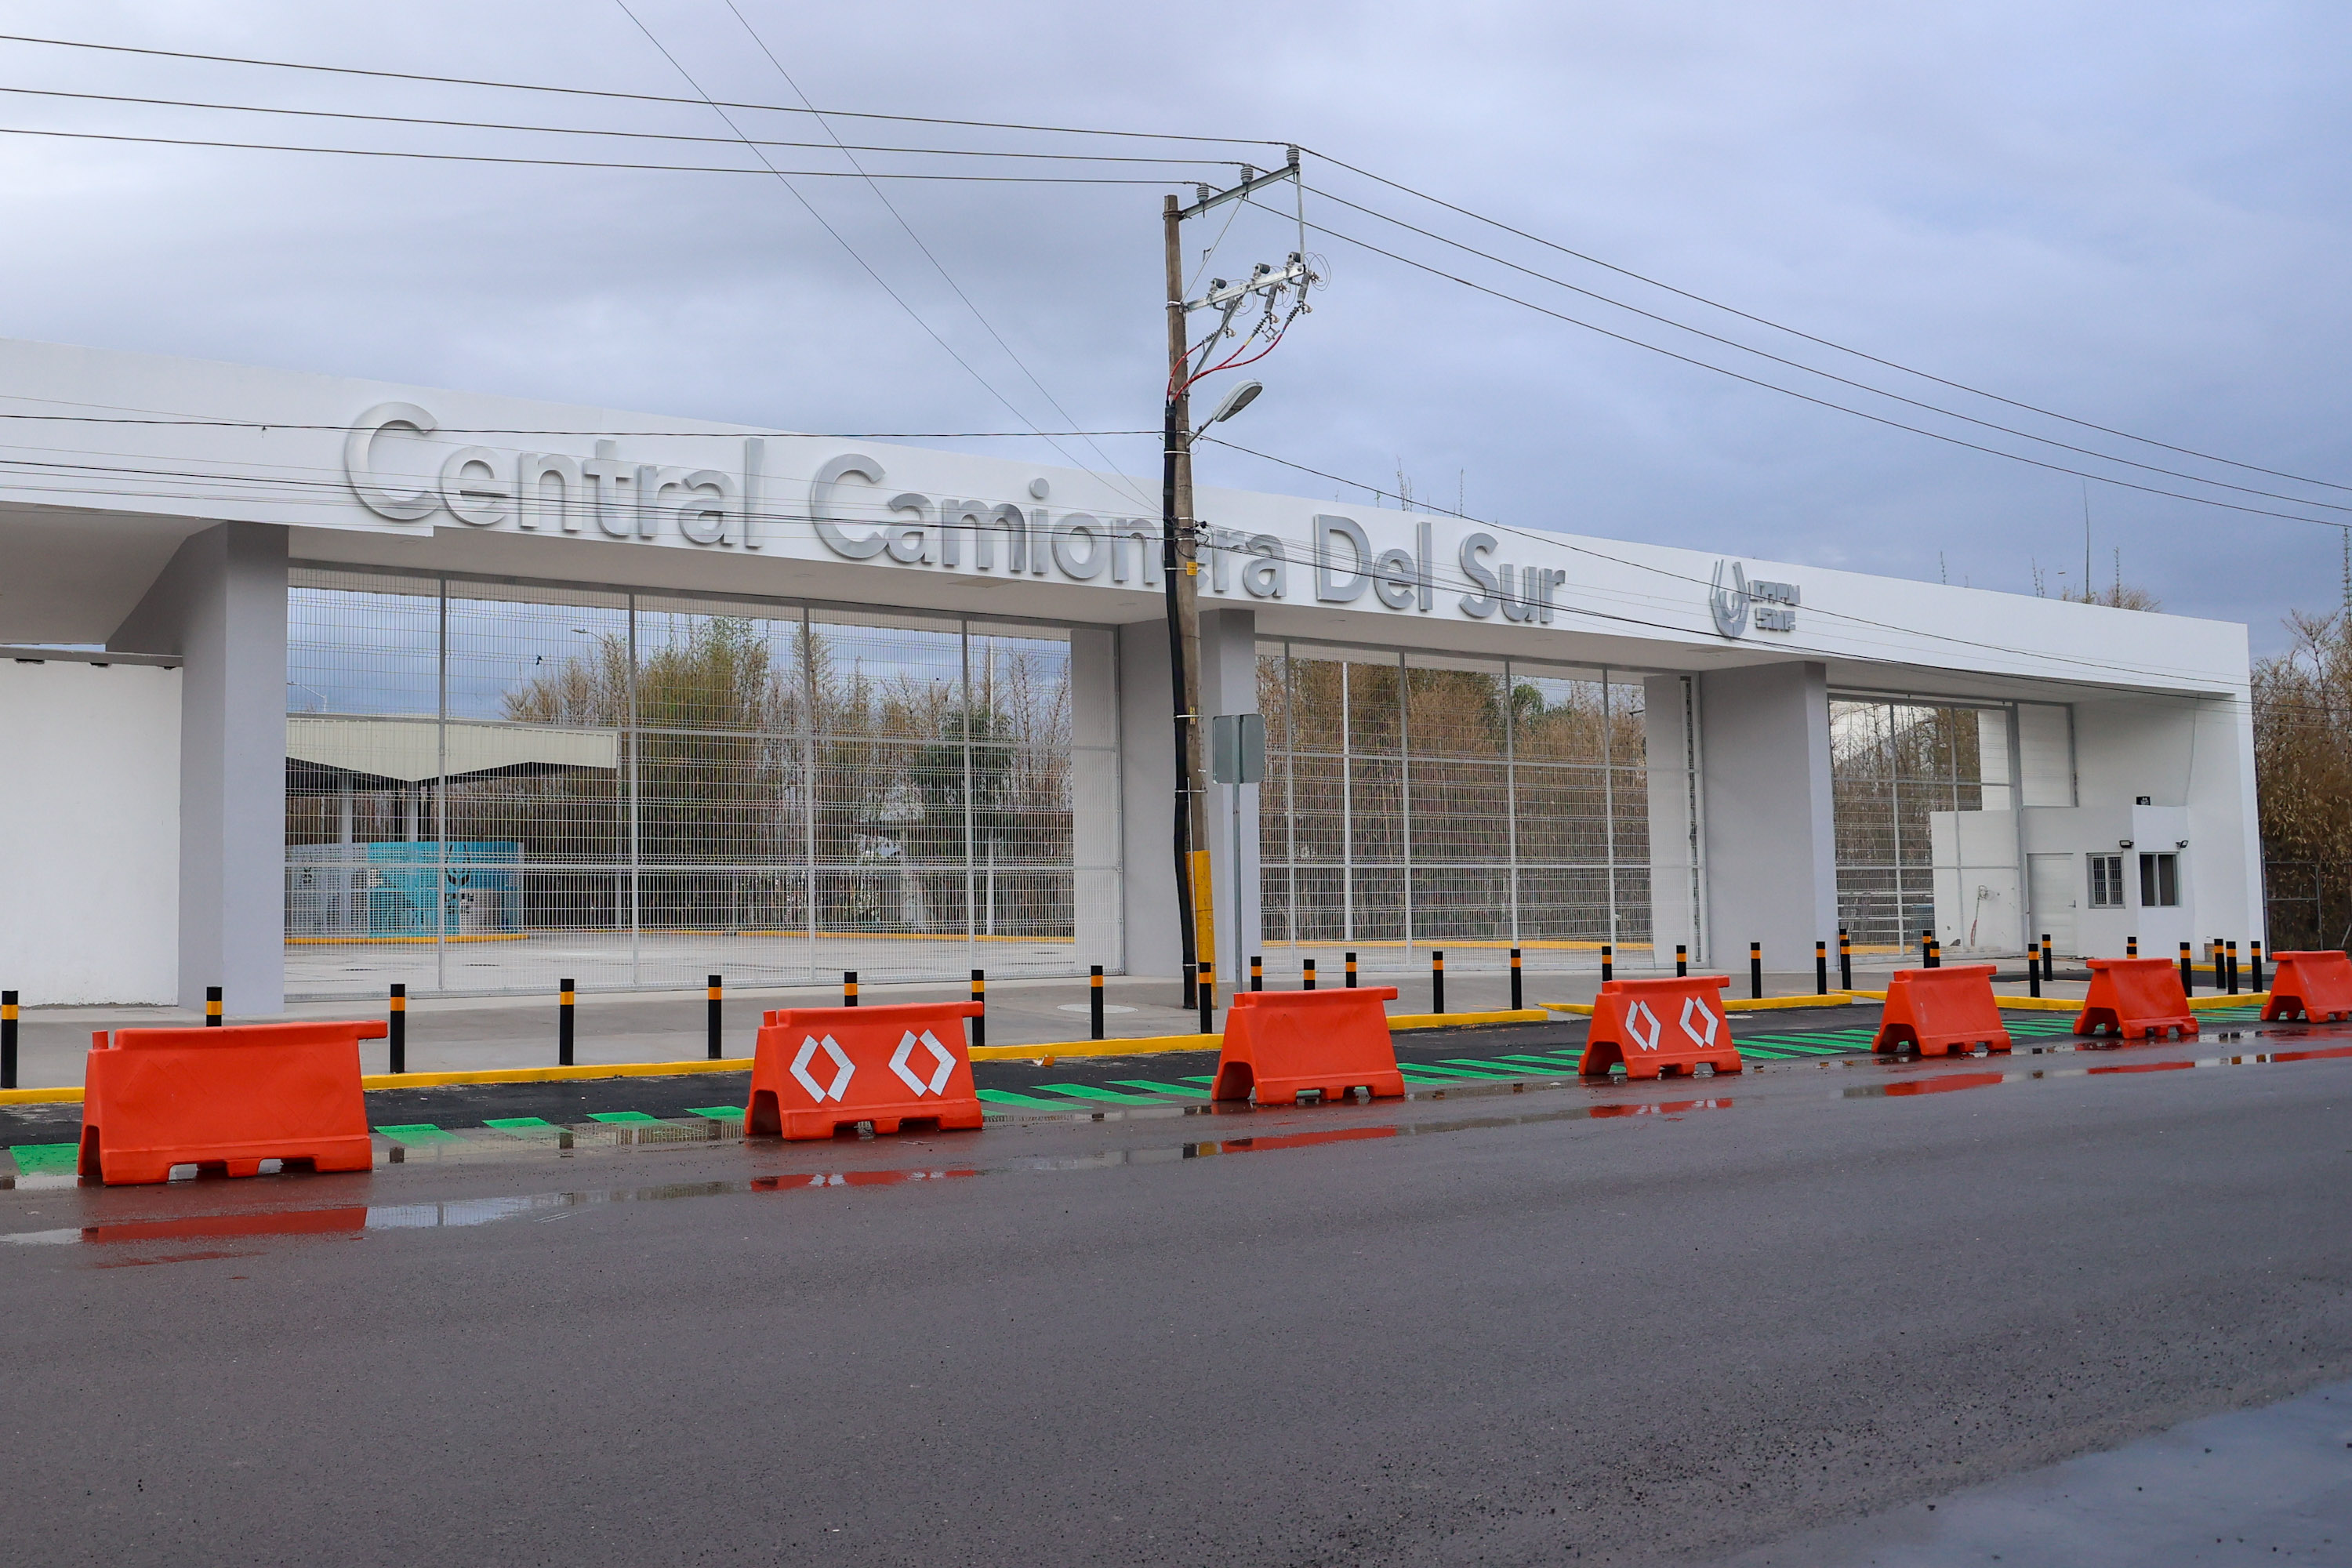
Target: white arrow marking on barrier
[1706, 1012]
[1634, 1018]
[939, 1054]
[817, 1091]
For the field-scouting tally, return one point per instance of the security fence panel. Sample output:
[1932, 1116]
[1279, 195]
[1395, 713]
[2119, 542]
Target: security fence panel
[1415, 801]
[491, 786]
[1924, 825]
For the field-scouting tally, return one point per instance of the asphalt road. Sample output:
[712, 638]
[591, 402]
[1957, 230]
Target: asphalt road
[1582, 1324]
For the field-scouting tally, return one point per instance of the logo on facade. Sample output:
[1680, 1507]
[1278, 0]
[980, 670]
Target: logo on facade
[1737, 604]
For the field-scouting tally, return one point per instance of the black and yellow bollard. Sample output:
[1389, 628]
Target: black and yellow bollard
[1095, 1001]
[1257, 971]
[2233, 969]
[2131, 947]
[1349, 980]
[2255, 969]
[713, 1008]
[1927, 949]
[1820, 967]
[395, 1029]
[8, 1040]
[1207, 992]
[1306, 975]
[849, 988]
[2033, 969]
[1845, 960]
[1934, 952]
[1436, 979]
[563, 1024]
[979, 1000]
[1756, 970]
[2188, 971]
[212, 1006]
[1518, 997]
[2048, 963]
[1682, 960]
[1608, 962]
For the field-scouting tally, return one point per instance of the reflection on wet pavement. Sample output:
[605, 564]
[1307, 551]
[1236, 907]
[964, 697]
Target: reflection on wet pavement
[2270, 1484]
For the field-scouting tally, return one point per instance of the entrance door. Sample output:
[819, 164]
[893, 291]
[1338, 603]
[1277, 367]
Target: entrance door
[2054, 889]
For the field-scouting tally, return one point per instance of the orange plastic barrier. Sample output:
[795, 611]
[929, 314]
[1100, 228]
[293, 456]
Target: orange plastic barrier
[1941, 1010]
[2138, 998]
[1281, 1044]
[225, 1100]
[1660, 1026]
[2313, 985]
[818, 1072]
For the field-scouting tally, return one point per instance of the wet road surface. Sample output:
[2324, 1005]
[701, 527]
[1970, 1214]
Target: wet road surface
[1515, 1324]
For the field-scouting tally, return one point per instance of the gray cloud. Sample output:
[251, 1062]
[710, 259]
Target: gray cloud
[2133, 217]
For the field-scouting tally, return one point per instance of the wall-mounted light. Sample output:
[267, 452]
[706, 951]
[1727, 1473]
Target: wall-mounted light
[2123, 843]
[2181, 843]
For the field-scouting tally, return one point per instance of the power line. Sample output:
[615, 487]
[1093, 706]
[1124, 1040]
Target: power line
[629, 97]
[1827, 375]
[541, 430]
[573, 163]
[1810, 338]
[103, 478]
[937, 266]
[1806, 396]
[1561, 542]
[592, 130]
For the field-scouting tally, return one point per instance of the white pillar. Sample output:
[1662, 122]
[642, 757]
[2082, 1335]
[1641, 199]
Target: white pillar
[1229, 685]
[1146, 771]
[1094, 804]
[1768, 850]
[221, 606]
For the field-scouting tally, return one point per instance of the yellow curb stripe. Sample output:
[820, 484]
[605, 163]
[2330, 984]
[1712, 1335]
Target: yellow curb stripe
[40, 1095]
[1753, 1003]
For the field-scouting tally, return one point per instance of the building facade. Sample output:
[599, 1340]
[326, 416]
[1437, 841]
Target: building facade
[318, 684]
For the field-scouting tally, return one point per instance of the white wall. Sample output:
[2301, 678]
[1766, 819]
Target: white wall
[1770, 853]
[89, 832]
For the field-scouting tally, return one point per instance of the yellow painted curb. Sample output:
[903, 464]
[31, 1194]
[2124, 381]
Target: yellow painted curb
[2244, 999]
[553, 1075]
[1145, 1045]
[40, 1095]
[1454, 1020]
[1752, 1003]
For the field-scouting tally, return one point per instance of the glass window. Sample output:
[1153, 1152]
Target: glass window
[2106, 881]
[2159, 880]
[1457, 802]
[489, 786]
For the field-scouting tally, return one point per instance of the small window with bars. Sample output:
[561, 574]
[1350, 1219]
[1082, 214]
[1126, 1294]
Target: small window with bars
[2106, 881]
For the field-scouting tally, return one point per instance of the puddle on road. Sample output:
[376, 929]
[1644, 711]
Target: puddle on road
[2271, 1485]
[350, 1221]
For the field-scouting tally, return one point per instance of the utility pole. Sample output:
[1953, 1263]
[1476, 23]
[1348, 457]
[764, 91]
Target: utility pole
[1180, 531]
[1178, 575]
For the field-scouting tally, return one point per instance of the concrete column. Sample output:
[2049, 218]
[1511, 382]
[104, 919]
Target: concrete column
[221, 606]
[1769, 852]
[1094, 804]
[1147, 773]
[1229, 685]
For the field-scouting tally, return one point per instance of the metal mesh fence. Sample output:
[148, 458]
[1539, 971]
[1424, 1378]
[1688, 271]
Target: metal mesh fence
[1894, 765]
[1470, 806]
[489, 787]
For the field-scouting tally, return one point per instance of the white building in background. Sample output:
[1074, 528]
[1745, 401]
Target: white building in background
[315, 684]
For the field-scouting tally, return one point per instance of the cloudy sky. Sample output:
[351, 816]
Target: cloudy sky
[2132, 216]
